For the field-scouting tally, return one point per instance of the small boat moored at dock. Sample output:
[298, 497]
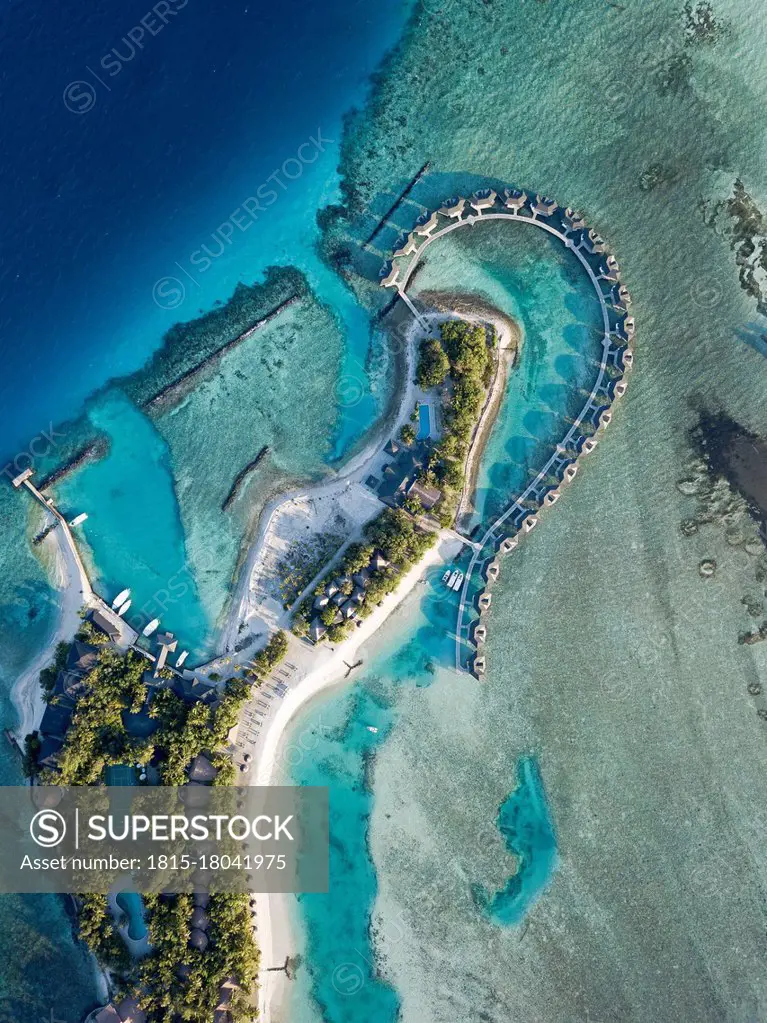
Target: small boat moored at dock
[457, 582]
[152, 627]
[121, 597]
[123, 608]
[451, 581]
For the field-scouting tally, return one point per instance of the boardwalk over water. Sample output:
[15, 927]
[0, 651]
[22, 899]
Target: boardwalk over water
[618, 328]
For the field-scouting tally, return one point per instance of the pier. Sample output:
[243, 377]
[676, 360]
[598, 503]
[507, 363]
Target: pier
[521, 516]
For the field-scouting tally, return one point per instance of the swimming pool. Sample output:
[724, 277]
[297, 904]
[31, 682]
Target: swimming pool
[424, 421]
[132, 905]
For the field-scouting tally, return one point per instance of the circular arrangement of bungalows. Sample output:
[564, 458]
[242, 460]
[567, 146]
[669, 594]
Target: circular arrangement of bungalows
[521, 516]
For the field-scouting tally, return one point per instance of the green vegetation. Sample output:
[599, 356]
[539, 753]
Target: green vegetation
[88, 633]
[49, 675]
[468, 349]
[400, 541]
[407, 434]
[267, 659]
[32, 746]
[169, 998]
[97, 736]
[433, 364]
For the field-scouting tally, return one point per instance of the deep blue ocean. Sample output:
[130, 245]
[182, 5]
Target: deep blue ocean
[125, 144]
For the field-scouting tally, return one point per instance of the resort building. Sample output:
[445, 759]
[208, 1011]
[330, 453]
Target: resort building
[479, 666]
[408, 247]
[605, 419]
[588, 445]
[544, 207]
[168, 645]
[572, 221]
[321, 602]
[570, 473]
[493, 570]
[391, 279]
[428, 496]
[628, 358]
[480, 633]
[515, 200]
[592, 242]
[484, 602]
[431, 225]
[551, 498]
[378, 562]
[530, 523]
[509, 544]
[105, 625]
[454, 210]
[483, 202]
[620, 389]
[317, 631]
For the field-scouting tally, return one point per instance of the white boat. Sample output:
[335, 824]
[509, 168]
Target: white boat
[458, 582]
[446, 576]
[79, 519]
[373, 729]
[152, 627]
[121, 610]
[452, 579]
[121, 597]
[182, 657]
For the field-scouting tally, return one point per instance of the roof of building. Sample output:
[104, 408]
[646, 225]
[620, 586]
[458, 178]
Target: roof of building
[428, 496]
[372, 482]
[104, 624]
[198, 939]
[129, 1011]
[108, 1015]
[317, 630]
[358, 594]
[49, 750]
[199, 919]
[361, 578]
[321, 601]
[201, 770]
[392, 448]
[82, 658]
[378, 561]
[349, 609]
[56, 720]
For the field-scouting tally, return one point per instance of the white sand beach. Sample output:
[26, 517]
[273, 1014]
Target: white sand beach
[66, 577]
[325, 668]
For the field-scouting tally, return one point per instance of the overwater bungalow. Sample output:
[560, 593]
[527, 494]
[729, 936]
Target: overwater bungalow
[391, 279]
[570, 473]
[481, 201]
[572, 221]
[484, 602]
[452, 209]
[544, 207]
[607, 273]
[551, 498]
[408, 247]
[620, 389]
[509, 544]
[629, 326]
[628, 358]
[529, 523]
[588, 445]
[480, 633]
[605, 419]
[515, 200]
[430, 225]
[592, 242]
[493, 570]
[479, 666]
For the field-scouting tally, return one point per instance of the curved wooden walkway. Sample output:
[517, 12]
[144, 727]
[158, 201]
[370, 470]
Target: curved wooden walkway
[576, 239]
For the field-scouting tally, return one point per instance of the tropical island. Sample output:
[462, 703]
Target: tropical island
[328, 565]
